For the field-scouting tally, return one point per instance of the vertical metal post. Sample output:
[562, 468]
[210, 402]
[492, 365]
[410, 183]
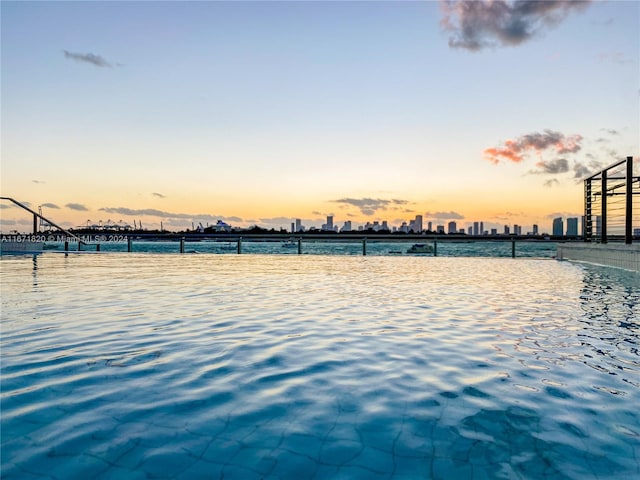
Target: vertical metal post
[513, 247]
[435, 247]
[35, 224]
[628, 237]
[66, 245]
[239, 245]
[182, 245]
[129, 242]
[299, 245]
[603, 222]
[587, 229]
[364, 246]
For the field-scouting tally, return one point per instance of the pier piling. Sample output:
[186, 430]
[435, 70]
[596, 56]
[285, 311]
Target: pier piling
[299, 246]
[239, 245]
[182, 245]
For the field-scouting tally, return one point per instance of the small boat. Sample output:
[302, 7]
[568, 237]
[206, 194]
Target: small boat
[420, 248]
[291, 243]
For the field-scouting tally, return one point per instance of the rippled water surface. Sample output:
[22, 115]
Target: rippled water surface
[285, 366]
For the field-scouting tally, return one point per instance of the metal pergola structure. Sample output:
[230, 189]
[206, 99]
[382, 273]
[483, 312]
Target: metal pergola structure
[609, 203]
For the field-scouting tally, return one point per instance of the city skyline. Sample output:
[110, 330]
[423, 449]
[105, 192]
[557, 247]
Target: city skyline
[258, 113]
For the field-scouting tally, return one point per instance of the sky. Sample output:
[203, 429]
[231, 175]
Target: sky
[258, 113]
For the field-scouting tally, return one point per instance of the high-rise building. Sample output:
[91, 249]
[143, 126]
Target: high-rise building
[470, 230]
[558, 227]
[535, 229]
[481, 228]
[299, 227]
[329, 223]
[476, 228]
[506, 229]
[452, 227]
[440, 229]
[517, 229]
[430, 226]
[417, 224]
[347, 226]
[572, 227]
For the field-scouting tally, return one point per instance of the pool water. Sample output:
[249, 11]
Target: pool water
[137, 365]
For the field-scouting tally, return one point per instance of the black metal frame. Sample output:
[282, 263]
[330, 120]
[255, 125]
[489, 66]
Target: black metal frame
[605, 190]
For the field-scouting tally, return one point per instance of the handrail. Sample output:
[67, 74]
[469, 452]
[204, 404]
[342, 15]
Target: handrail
[36, 214]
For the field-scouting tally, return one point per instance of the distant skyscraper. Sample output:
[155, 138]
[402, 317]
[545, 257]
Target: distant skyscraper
[347, 226]
[430, 226]
[452, 227]
[330, 223]
[535, 229]
[481, 228]
[418, 224]
[558, 227]
[470, 230]
[572, 227]
[476, 228]
[506, 229]
[298, 225]
[440, 228]
[517, 229]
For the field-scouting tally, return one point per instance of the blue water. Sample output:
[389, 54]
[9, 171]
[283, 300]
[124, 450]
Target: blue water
[315, 366]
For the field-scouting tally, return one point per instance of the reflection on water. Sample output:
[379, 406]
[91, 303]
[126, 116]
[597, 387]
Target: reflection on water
[610, 300]
[287, 366]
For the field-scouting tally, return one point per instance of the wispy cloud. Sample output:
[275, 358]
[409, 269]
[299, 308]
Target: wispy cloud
[369, 206]
[551, 182]
[77, 206]
[580, 170]
[553, 215]
[38, 181]
[474, 25]
[445, 215]
[614, 57]
[560, 165]
[516, 150]
[159, 195]
[90, 58]
[50, 205]
[152, 212]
